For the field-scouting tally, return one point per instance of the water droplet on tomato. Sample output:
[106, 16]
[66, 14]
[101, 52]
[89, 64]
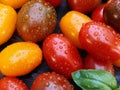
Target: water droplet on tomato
[96, 33]
[107, 38]
[66, 52]
[61, 47]
[55, 42]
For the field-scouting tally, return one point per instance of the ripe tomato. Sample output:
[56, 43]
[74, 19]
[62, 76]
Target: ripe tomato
[36, 20]
[70, 25]
[20, 58]
[51, 81]
[8, 18]
[84, 6]
[55, 3]
[14, 3]
[61, 55]
[97, 14]
[92, 63]
[12, 83]
[100, 40]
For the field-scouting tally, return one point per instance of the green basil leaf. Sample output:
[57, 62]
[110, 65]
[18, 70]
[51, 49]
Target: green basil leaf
[94, 80]
[117, 89]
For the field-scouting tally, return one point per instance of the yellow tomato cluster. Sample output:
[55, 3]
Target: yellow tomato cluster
[19, 58]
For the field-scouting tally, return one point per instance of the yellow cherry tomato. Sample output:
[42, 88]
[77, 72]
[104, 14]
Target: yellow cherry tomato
[70, 25]
[14, 3]
[20, 58]
[8, 18]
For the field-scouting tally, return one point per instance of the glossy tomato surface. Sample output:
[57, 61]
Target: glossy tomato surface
[29, 78]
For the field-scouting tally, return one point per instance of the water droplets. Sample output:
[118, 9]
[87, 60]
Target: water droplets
[96, 33]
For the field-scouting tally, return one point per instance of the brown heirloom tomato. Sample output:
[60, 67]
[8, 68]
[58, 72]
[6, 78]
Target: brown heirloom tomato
[36, 20]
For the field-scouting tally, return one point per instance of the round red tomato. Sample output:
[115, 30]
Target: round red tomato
[12, 83]
[51, 81]
[55, 3]
[84, 6]
[92, 63]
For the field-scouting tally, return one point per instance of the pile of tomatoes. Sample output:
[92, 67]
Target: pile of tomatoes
[43, 41]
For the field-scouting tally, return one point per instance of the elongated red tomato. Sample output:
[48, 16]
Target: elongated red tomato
[100, 40]
[93, 63]
[61, 55]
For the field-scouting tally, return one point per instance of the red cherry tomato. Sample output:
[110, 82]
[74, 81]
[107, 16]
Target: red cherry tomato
[100, 40]
[55, 3]
[12, 83]
[84, 6]
[92, 63]
[51, 81]
[97, 14]
[61, 55]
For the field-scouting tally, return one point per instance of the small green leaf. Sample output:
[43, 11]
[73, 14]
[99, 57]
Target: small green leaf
[94, 80]
[117, 89]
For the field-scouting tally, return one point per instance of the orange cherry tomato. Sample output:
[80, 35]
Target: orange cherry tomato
[20, 58]
[70, 25]
[14, 3]
[8, 18]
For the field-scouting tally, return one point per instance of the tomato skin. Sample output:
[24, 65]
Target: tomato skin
[84, 6]
[55, 3]
[92, 63]
[12, 83]
[8, 18]
[97, 14]
[61, 55]
[100, 40]
[36, 20]
[15, 4]
[51, 81]
[70, 25]
[20, 58]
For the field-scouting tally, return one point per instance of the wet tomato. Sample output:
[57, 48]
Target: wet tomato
[93, 63]
[70, 25]
[84, 6]
[36, 20]
[20, 58]
[8, 18]
[55, 3]
[61, 55]
[51, 81]
[100, 40]
[12, 83]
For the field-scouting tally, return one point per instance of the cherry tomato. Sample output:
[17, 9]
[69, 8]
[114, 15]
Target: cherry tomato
[36, 20]
[51, 81]
[55, 3]
[14, 3]
[61, 55]
[12, 83]
[92, 63]
[8, 18]
[20, 58]
[84, 6]
[100, 40]
[97, 14]
[70, 25]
